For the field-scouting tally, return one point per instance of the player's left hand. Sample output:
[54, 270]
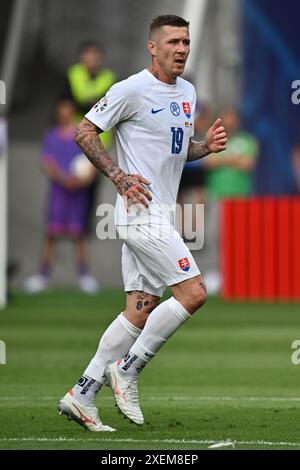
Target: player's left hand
[216, 137]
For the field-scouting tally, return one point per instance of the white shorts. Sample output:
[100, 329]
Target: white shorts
[154, 257]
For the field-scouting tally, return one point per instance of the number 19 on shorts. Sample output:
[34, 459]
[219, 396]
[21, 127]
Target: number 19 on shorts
[177, 140]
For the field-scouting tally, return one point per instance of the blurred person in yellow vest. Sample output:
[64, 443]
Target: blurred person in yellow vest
[88, 81]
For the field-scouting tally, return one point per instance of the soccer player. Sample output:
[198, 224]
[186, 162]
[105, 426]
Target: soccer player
[153, 113]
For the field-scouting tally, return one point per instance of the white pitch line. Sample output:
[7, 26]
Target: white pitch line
[151, 441]
[158, 398]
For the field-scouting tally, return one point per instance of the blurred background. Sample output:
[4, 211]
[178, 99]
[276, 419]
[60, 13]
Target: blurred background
[57, 59]
[245, 57]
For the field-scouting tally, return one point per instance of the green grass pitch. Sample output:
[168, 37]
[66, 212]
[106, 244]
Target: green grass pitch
[227, 374]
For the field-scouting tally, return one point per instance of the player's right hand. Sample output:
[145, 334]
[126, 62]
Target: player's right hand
[131, 188]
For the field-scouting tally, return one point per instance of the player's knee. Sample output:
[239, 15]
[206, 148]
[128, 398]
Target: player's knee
[198, 301]
[201, 298]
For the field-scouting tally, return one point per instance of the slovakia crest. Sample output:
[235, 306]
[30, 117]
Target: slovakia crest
[187, 109]
[101, 105]
[184, 264]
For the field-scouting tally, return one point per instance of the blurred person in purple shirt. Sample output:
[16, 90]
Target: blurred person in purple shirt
[69, 174]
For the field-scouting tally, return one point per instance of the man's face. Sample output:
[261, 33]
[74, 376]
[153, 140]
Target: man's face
[91, 57]
[170, 46]
[65, 113]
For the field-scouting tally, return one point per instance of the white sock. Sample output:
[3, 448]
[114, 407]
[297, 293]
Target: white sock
[114, 343]
[85, 390]
[162, 323]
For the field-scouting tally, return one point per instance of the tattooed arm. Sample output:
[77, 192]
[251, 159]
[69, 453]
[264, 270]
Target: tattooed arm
[215, 142]
[197, 150]
[129, 186]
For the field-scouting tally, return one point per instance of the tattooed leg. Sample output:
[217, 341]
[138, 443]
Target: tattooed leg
[139, 306]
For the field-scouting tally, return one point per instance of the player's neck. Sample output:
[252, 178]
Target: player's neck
[161, 76]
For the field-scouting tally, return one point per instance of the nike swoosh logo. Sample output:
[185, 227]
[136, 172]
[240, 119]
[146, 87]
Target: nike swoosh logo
[155, 111]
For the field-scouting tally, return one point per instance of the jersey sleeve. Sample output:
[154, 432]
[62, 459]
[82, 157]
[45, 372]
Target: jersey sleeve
[116, 106]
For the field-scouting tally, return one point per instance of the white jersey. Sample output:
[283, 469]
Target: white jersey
[153, 122]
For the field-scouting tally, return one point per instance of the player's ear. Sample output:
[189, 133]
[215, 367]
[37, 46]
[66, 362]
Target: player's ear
[151, 46]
